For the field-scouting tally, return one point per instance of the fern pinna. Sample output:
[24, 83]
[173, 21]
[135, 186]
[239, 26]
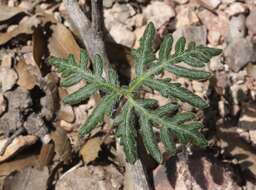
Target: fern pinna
[173, 125]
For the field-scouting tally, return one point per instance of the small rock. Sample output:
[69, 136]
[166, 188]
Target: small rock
[68, 127]
[186, 16]
[236, 8]
[159, 13]
[7, 60]
[197, 34]
[66, 113]
[108, 3]
[198, 87]
[236, 27]
[3, 104]
[251, 22]
[239, 53]
[212, 3]
[121, 12]
[136, 21]
[140, 20]
[109, 19]
[122, 35]
[216, 64]
[217, 26]
[8, 78]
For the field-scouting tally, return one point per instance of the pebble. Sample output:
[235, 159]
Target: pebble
[122, 35]
[8, 78]
[158, 13]
[236, 27]
[239, 53]
[186, 16]
[197, 34]
[216, 64]
[108, 3]
[121, 12]
[236, 8]
[218, 26]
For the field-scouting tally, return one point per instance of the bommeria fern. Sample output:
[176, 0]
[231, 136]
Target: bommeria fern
[173, 125]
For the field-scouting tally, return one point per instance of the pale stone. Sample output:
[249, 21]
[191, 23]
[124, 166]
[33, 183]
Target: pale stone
[158, 13]
[236, 8]
[186, 16]
[122, 35]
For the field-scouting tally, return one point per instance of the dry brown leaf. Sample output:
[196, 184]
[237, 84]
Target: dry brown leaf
[17, 144]
[90, 149]
[62, 42]
[9, 12]
[29, 179]
[39, 45]
[26, 79]
[16, 165]
[24, 27]
[46, 155]
[62, 144]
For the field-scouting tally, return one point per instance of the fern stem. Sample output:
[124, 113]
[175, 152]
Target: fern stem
[161, 122]
[140, 80]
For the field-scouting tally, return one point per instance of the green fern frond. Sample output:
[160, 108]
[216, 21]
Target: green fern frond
[174, 125]
[149, 138]
[127, 133]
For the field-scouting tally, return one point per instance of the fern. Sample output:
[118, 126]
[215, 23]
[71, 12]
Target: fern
[174, 125]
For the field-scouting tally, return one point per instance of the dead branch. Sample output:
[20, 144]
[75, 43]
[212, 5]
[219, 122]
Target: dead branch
[90, 33]
[10, 139]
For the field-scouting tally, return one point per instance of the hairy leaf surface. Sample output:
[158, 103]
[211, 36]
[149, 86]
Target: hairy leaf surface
[126, 104]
